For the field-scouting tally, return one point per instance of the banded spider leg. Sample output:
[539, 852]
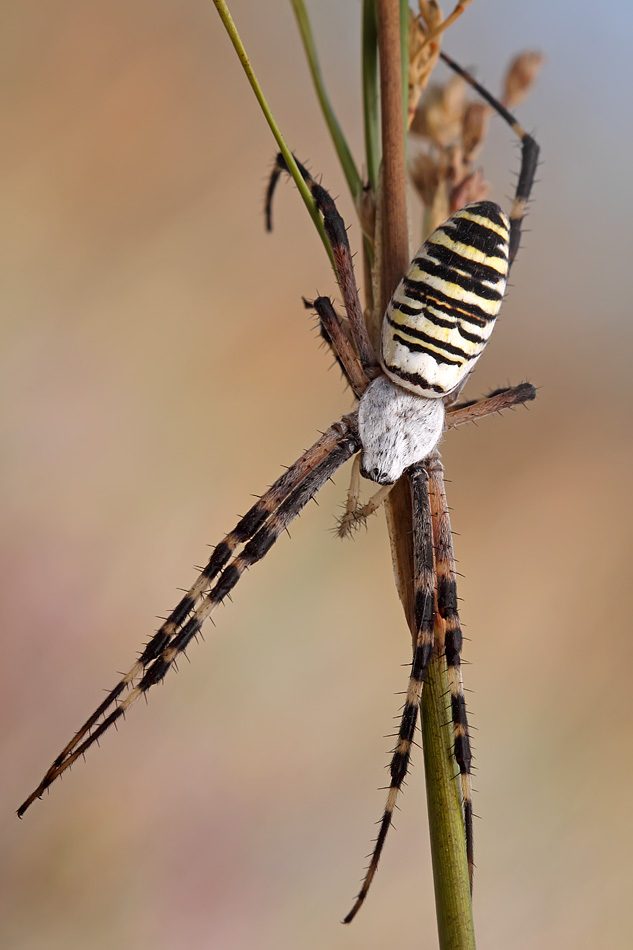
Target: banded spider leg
[257, 531]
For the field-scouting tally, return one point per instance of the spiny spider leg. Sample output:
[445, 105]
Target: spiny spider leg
[457, 415]
[497, 401]
[343, 264]
[529, 156]
[424, 614]
[447, 609]
[355, 515]
[431, 526]
[348, 519]
[262, 525]
[335, 336]
[222, 553]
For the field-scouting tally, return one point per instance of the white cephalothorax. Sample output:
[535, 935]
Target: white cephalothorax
[397, 429]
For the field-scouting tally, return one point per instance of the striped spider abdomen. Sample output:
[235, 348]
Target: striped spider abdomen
[443, 311]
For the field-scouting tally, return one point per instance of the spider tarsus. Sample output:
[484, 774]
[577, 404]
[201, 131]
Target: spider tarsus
[350, 522]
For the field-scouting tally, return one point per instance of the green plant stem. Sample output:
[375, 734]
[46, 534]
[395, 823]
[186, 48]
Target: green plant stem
[304, 191]
[340, 143]
[446, 824]
[370, 91]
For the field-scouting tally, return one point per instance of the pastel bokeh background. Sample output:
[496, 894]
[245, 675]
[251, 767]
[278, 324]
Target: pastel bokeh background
[158, 368]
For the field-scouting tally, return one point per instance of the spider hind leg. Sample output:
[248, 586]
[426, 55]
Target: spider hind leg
[447, 610]
[424, 615]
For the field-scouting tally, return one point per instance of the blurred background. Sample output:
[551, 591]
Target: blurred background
[158, 368]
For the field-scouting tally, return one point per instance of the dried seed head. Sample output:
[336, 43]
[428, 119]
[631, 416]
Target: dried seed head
[474, 128]
[431, 14]
[440, 115]
[425, 176]
[422, 55]
[425, 34]
[471, 188]
[454, 167]
[520, 77]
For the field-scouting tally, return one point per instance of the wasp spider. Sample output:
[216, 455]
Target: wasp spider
[434, 330]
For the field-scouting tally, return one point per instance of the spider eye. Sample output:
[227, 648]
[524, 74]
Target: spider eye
[377, 475]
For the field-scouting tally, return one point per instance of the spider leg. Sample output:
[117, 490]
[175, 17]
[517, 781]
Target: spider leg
[260, 528]
[351, 502]
[343, 264]
[447, 609]
[497, 401]
[424, 614]
[333, 333]
[355, 515]
[529, 156]
[458, 414]
[222, 553]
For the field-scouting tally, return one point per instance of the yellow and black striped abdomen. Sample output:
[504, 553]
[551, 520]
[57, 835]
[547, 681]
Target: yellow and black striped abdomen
[442, 313]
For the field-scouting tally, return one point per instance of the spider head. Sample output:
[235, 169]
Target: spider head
[397, 429]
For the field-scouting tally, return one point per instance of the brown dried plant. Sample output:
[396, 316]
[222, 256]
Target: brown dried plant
[447, 133]
[425, 30]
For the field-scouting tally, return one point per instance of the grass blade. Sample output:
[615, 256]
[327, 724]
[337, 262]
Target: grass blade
[234, 36]
[370, 92]
[340, 143]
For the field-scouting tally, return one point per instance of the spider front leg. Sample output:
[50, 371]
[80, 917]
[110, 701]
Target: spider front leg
[337, 339]
[529, 157]
[341, 252]
[257, 531]
[356, 514]
[424, 615]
